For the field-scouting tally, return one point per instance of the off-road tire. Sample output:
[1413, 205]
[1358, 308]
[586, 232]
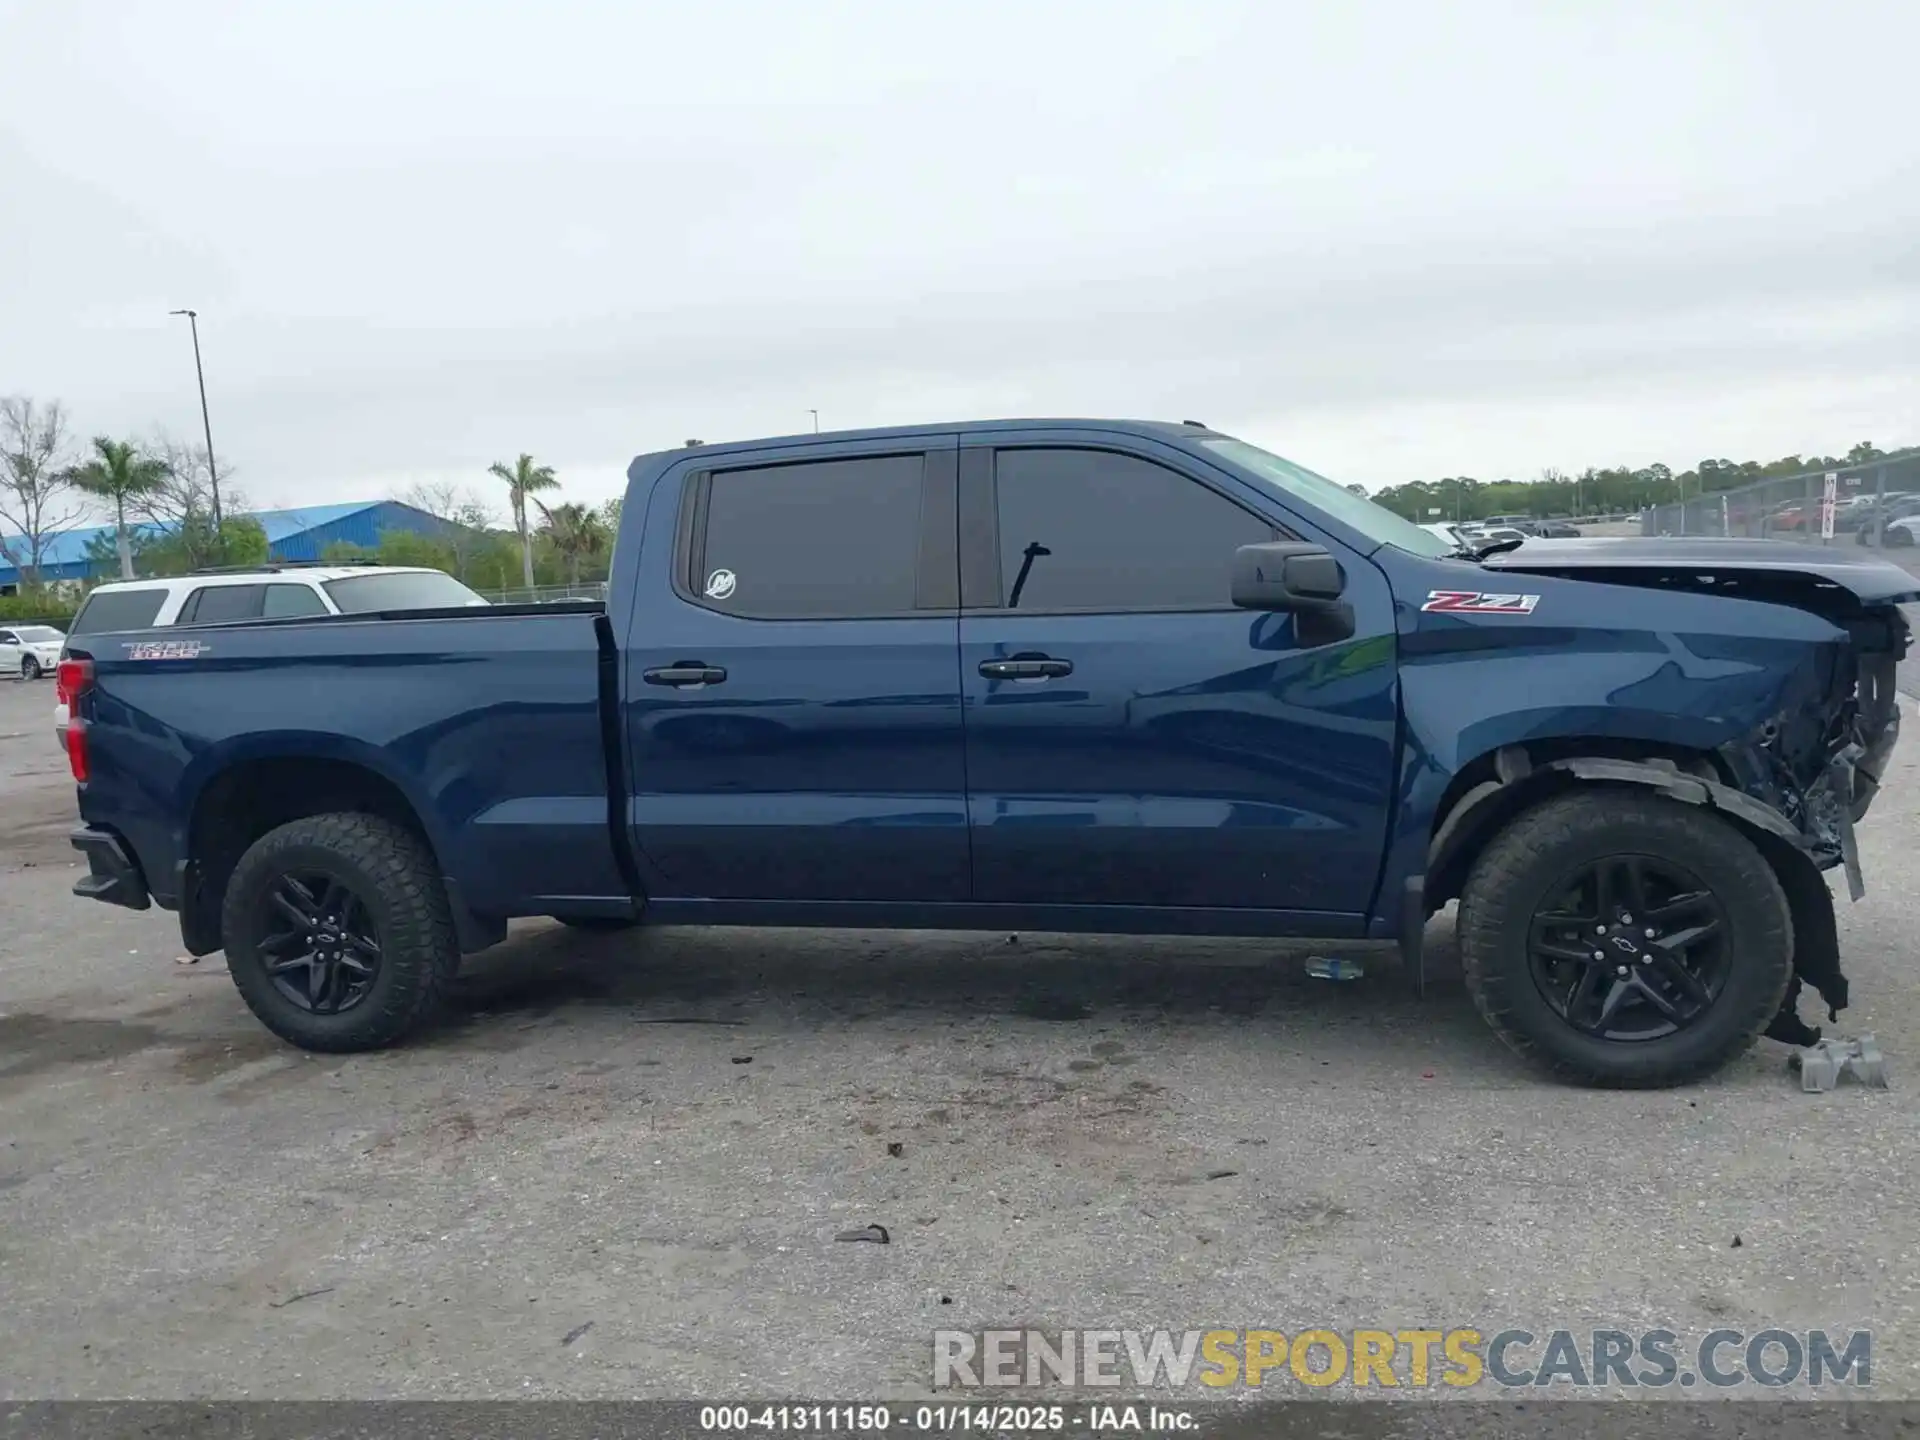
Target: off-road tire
[393, 873]
[1511, 879]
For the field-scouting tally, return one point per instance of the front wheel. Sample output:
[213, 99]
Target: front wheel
[29, 668]
[1896, 538]
[1625, 939]
[338, 933]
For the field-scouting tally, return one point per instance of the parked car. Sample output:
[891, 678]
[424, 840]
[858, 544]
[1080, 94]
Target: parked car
[1899, 533]
[1868, 518]
[1311, 718]
[29, 651]
[285, 591]
[1558, 530]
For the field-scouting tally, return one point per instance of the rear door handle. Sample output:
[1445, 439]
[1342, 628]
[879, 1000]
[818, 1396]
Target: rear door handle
[1026, 667]
[688, 672]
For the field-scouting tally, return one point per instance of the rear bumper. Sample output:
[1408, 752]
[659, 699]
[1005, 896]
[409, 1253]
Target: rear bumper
[113, 875]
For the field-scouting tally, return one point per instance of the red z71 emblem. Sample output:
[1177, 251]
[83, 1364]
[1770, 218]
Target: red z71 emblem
[1477, 603]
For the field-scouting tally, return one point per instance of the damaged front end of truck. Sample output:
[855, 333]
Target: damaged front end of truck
[1801, 779]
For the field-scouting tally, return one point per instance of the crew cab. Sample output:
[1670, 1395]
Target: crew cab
[1035, 675]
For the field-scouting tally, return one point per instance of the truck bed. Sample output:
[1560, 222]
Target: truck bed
[490, 723]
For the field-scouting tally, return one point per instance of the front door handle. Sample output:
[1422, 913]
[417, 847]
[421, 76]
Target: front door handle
[1026, 667]
[687, 672]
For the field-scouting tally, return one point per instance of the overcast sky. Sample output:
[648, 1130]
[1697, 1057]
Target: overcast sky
[1391, 241]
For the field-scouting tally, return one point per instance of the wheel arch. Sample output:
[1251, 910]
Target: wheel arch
[1494, 789]
[257, 791]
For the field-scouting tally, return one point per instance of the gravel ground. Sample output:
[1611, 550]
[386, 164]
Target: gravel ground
[619, 1171]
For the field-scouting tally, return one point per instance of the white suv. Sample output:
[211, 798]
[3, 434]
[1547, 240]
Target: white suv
[267, 592]
[29, 651]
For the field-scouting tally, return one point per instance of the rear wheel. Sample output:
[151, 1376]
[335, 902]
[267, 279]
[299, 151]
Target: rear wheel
[1897, 536]
[338, 933]
[1624, 939]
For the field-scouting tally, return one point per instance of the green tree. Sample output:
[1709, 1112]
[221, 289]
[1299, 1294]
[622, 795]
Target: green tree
[524, 480]
[118, 473]
[576, 534]
[193, 544]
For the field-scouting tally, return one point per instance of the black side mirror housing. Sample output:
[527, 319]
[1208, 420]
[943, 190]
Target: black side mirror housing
[1286, 575]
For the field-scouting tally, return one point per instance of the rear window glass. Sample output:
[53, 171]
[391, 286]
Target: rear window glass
[409, 590]
[290, 600]
[220, 604]
[108, 610]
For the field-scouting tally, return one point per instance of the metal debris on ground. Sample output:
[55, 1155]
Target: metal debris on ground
[1323, 967]
[1822, 1066]
[872, 1234]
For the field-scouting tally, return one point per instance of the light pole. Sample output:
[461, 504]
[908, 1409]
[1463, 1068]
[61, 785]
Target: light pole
[206, 423]
[816, 420]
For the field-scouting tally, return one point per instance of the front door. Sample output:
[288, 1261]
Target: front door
[793, 709]
[1131, 738]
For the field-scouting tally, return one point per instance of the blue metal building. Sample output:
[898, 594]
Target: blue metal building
[297, 534]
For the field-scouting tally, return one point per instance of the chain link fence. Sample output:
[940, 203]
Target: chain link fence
[547, 594]
[1876, 503]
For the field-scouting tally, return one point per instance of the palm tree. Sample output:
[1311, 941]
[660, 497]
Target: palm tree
[120, 472]
[524, 478]
[577, 534]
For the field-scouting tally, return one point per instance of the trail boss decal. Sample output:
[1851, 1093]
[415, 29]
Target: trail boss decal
[165, 649]
[1477, 602]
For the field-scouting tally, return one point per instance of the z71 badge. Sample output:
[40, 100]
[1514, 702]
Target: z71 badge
[1476, 602]
[165, 649]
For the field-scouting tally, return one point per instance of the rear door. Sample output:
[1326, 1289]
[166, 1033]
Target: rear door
[1132, 738]
[793, 699]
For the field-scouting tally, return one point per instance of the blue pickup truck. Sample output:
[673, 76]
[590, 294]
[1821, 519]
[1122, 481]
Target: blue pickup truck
[1035, 675]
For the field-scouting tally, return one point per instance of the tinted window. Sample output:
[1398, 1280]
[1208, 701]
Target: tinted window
[286, 600]
[828, 538]
[406, 590]
[220, 604]
[1091, 530]
[107, 610]
[7, 638]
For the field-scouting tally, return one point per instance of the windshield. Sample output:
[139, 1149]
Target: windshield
[37, 634]
[1376, 522]
[399, 590]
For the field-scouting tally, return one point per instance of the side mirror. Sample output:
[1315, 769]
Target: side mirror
[1286, 575]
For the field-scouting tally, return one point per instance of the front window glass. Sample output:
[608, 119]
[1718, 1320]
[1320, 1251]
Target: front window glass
[1317, 492]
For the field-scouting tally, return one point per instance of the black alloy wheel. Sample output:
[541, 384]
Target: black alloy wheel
[318, 942]
[1630, 948]
[1554, 941]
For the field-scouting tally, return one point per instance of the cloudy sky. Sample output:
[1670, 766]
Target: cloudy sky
[1392, 241]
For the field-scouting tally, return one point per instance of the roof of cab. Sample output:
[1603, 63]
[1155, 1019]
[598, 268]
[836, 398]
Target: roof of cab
[1173, 429]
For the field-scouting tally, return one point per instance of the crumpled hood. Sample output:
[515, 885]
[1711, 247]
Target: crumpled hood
[1863, 573]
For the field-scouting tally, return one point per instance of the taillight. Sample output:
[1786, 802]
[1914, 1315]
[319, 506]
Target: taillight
[73, 679]
[77, 750]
